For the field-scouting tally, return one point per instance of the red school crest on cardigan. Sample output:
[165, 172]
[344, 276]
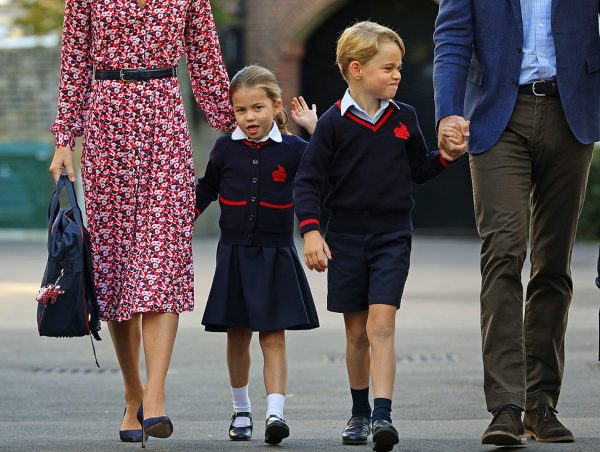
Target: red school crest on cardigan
[279, 175]
[402, 131]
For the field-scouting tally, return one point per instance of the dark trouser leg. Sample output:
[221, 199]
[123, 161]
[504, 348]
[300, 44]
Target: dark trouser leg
[501, 186]
[560, 170]
[537, 159]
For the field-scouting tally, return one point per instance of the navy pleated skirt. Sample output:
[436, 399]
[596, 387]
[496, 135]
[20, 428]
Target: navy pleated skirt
[260, 288]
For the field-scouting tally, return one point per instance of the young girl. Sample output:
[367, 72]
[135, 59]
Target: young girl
[259, 284]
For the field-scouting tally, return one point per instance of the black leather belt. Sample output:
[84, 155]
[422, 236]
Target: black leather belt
[135, 75]
[540, 88]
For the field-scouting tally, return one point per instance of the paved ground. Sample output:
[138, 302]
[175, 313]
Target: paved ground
[52, 398]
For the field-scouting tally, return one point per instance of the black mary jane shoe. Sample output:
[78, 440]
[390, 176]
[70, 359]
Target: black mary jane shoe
[240, 433]
[357, 430]
[275, 429]
[385, 436]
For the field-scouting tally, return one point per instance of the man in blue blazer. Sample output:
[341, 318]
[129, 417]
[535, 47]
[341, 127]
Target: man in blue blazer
[526, 74]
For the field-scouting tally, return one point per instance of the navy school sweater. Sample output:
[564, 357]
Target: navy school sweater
[254, 184]
[370, 168]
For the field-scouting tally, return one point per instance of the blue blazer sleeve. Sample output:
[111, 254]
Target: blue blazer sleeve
[453, 37]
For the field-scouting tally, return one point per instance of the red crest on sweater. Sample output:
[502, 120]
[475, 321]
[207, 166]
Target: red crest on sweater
[402, 131]
[279, 175]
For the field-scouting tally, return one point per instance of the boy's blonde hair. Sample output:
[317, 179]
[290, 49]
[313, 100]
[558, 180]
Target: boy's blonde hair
[361, 42]
[256, 76]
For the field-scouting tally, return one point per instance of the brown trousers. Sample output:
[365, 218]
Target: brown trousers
[531, 184]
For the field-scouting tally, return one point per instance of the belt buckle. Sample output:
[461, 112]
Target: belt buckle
[122, 74]
[533, 88]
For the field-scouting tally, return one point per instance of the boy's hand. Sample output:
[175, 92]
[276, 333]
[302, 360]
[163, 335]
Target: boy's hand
[453, 141]
[315, 251]
[303, 116]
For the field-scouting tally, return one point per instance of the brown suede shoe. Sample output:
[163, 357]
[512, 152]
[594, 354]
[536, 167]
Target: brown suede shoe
[506, 428]
[542, 425]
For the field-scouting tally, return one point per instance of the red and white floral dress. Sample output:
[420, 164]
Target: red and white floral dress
[137, 166]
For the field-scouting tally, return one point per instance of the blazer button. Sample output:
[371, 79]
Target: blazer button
[255, 162]
[515, 83]
[254, 180]
[518, 50]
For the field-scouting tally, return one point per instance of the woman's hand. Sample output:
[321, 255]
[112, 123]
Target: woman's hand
[62, 161]
[303, 116]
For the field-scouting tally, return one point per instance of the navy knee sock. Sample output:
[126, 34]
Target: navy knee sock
[360, 402]
[382, 409]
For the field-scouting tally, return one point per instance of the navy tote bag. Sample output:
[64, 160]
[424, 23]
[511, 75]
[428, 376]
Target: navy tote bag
[67, 299]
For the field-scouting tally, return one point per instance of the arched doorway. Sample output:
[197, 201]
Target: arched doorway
[442, 204]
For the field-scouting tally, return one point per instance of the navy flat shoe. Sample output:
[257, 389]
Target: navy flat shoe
[130, 436]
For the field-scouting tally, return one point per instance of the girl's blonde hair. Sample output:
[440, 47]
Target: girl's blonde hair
[260, 77]
[361, 42]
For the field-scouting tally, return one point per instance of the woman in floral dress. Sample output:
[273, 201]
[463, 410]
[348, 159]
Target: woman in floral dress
[137, 168]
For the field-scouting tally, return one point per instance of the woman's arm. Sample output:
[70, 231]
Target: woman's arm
[74, 89]
[210, 82]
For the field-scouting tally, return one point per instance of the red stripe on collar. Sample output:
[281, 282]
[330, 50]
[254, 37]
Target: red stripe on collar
[374, 127]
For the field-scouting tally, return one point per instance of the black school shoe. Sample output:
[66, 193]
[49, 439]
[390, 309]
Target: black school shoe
[240, 433]
[385, 436]
[506, 428]
[275, 429]
[542, 425]
[357, 430]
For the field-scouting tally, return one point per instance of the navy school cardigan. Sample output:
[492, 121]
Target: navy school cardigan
[254, 184]
[370, 169]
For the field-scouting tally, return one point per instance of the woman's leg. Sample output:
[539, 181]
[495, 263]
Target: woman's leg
[159, 331]
[127, 340]
[381, 329]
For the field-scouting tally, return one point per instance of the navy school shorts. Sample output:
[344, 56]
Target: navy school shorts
[367, 269]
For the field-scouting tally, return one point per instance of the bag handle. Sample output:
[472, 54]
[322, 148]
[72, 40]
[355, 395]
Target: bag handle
[64, 182]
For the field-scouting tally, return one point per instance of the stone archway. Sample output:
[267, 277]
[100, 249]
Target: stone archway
[297, 38]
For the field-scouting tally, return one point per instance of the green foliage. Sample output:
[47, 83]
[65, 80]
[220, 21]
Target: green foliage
[589, 222]
[40, 16]
[43, 16]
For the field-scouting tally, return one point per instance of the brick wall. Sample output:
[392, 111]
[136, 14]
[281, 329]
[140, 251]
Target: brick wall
[275, 31]
[28, 88]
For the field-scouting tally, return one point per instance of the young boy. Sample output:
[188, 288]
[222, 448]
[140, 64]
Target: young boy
[371, 150]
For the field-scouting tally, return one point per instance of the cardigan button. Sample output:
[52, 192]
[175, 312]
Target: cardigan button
[253, 199]
[255, 162]
[254, 180]
[251, 217]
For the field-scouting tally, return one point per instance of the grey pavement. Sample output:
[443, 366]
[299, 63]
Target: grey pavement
[53, 398]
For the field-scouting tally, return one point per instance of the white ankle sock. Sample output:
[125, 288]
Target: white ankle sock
[275, 403]
[241, 404]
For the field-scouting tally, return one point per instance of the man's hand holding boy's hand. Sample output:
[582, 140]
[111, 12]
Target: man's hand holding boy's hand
[452, 137]
[315, 251]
